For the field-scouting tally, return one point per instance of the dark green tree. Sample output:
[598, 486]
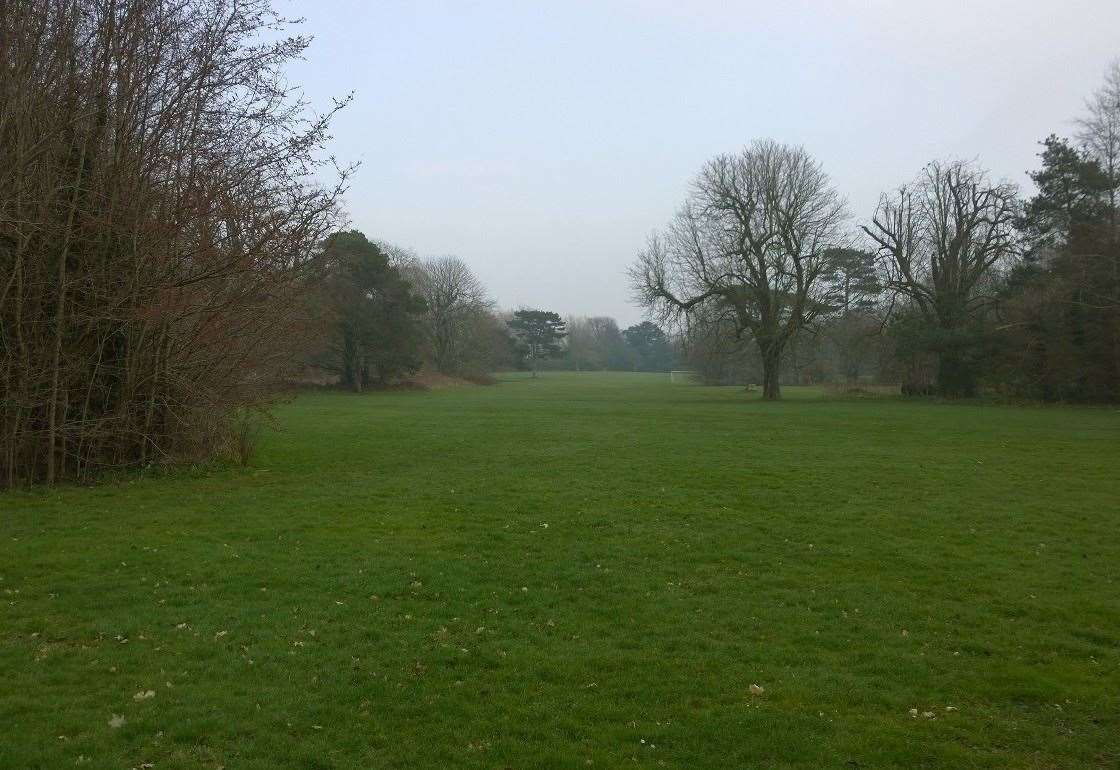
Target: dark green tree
[377, 332]
[1072, 195]
[856, 278]
[851, 333]
[651, 345]
[540, 332]
[1059, 331]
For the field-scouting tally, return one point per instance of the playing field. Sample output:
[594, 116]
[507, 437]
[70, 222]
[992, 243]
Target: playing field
[582, 570]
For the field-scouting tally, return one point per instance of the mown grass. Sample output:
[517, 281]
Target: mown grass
[582, 570]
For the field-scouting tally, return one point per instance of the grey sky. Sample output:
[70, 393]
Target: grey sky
[542, 142]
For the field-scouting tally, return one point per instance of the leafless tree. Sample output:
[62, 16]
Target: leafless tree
[1099, 133]
[940, 238]
[158, 222]
[597, 343]
[580, 344]
[402, 258]
[752, 239]
[455, 299]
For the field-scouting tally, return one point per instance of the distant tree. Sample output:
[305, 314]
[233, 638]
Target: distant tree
[651, 345]
[610, 344]
[856, 277]
[755, 239]
[540, 331]
[1099, 133]
[457, 302]
[377, 315]
[404, 259]
[488, 346]
[851, 337]
[581, 350]
[940, 238]
[597, 343]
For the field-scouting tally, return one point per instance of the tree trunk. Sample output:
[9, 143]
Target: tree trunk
[771, 390]
[771, 367]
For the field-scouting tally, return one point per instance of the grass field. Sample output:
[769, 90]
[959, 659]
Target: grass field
[582, 570]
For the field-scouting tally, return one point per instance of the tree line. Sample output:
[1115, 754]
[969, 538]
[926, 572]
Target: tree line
[954, 285]
[386, 313]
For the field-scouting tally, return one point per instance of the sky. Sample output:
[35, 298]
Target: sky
[542, 142]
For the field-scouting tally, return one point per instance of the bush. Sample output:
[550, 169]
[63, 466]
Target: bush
[157, 226]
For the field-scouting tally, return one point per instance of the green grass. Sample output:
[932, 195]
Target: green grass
[582, 570]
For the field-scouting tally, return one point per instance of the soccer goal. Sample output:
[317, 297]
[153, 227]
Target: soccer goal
[682, 377]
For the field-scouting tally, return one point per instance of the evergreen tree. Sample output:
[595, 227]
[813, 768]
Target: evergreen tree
[651, 345]
[377, 332]
[540, 331]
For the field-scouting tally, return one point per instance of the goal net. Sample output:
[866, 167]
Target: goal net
[682, 377]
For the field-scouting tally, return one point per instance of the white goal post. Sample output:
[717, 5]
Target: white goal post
[682, 377]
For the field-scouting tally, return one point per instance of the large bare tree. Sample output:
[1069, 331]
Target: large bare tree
[940, 238]
[751, 244]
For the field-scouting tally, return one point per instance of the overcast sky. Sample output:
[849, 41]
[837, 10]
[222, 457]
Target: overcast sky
[543, 141]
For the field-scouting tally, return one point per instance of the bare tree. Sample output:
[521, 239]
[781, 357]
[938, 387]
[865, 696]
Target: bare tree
[455, 298]
[159, 222]
[753, 240]
[1099, 133]
[580, 347]
[597, 343]
[940, 238]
